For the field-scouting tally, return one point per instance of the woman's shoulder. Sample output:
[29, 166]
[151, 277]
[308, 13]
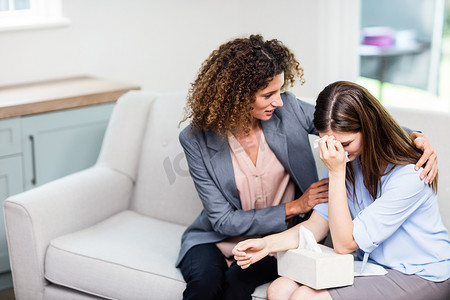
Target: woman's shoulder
[405, 170]
[294, 108]
[405, 176]
[185, 132]
[190, 134]
[290, 100]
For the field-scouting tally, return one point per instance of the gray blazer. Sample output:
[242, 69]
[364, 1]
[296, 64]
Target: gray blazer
[211, 168]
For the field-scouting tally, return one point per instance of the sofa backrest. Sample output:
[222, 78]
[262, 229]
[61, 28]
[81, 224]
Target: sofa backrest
[164, 188]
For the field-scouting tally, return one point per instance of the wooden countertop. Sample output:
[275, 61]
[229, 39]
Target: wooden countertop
[40, 97]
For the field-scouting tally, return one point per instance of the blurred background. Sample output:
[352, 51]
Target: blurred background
[398, 49]
[405, 52]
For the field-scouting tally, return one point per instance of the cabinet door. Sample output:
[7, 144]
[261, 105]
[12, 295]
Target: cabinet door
[10, 137]
[11, 183]
[59, 143]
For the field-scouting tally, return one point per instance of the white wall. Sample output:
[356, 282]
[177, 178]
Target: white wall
[160, 44]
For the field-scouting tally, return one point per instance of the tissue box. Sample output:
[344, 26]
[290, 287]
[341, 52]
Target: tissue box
[317, 270]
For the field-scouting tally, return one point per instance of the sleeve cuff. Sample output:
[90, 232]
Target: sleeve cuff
[361, 237]
[322, 210]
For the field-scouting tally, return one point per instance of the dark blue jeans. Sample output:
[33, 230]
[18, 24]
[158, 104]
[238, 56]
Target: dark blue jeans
[208, 277]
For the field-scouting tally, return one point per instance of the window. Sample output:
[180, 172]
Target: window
[30, 14]
[14, 5]
[405, 53]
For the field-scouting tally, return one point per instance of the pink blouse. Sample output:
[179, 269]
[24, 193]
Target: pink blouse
[262, 185]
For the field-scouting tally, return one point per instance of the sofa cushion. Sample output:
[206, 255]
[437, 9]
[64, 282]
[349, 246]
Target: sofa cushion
[128, 256]
[261, 292]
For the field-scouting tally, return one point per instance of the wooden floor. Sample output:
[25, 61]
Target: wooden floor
[7, 294]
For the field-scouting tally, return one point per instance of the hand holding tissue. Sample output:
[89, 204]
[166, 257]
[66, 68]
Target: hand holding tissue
[316, 145]
[315, 265]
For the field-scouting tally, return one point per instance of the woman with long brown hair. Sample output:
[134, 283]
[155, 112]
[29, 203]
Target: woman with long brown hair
[396, 217]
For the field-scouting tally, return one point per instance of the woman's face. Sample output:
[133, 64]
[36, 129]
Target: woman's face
[352, 142]
[268, 99]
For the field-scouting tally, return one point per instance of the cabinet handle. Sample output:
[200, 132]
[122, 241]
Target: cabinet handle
[33, 160]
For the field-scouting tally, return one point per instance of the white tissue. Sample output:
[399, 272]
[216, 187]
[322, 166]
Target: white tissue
[368, 270]
[307, 240]
[316, 145]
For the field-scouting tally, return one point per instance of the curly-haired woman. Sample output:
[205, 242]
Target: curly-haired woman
[249, 155]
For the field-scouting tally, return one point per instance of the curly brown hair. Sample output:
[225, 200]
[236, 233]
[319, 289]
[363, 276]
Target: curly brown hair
[221, 97]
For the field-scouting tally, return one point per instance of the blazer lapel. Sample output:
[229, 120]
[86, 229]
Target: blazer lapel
[277, 140]
[222, 166]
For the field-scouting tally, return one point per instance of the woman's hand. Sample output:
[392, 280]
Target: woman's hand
[315, 194]
[250, 251]
[429, 157]
[332, 154]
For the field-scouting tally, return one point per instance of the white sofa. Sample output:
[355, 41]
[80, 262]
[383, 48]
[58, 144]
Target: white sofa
[113, 231]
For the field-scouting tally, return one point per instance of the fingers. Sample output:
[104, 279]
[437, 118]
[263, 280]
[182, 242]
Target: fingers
[322, 200]
[331, 145]
[243, 259]
[430, 170]
[428, 159]
[330, 148]
[241, 247]
[315, 189]
[316, 193]
[322, 182]
[419, 142]
[244, 263]
[427, 153]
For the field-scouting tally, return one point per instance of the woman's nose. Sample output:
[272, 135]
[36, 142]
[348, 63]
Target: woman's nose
[277, 101]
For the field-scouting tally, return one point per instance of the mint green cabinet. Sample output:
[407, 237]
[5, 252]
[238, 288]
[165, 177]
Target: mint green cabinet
[59, 143]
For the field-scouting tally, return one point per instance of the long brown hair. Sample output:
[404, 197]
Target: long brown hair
[348, 107]
[220, 99]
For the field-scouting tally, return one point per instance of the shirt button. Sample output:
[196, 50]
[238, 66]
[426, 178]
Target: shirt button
[259, 197]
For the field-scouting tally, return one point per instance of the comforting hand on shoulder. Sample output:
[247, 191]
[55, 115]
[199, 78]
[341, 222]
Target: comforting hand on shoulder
[429, 157]
[316, 193]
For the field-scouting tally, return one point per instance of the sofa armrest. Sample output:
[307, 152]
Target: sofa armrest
[35, 217]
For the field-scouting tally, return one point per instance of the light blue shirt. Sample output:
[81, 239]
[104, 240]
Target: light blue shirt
[402, 229]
